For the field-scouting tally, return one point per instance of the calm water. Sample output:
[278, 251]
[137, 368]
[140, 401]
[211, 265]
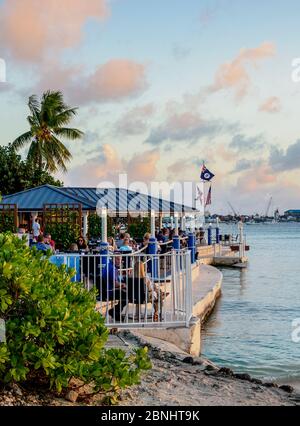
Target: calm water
[250, 329]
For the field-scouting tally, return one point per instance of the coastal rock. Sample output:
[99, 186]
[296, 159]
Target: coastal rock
[287, 388]
[225, 372]
[71, 396]
[270, 385]
[246, 377]
[188, 360]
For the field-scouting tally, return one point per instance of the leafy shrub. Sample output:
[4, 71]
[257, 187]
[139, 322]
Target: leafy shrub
[94, 223]
[64, 233]
[139, 226]
[53, 333]
[7, 222]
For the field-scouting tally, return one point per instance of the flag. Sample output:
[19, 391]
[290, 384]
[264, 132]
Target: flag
[199, 196]
[208, 198]
[206, 174]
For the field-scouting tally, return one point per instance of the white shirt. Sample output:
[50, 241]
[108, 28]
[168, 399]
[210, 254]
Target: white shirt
[36, 229]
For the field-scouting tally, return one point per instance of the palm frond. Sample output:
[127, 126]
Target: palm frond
[69, 133]
[22, 140]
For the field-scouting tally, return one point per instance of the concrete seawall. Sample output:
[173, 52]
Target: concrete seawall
[207, 282]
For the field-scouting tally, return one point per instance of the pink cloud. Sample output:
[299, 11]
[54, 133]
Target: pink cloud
[143, 166]
[30, 28]
[108, 164]
[117, 79]
[234, 75]
[252, 180]
[271, 105]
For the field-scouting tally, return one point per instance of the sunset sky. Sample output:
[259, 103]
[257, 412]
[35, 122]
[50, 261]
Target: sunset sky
[162, 85]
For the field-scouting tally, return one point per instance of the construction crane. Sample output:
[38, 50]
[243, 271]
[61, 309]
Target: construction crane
[268, 207]
[232, 208]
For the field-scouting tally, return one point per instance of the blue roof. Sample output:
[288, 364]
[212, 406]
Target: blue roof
[115, 199]
[35, 198]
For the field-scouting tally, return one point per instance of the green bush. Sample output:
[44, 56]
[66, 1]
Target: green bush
[139, 226]
[53, 333]
[7, 223]
[64, 234]
[94, 223]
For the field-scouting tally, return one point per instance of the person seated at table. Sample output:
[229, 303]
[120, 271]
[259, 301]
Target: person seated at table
[48, 240]
[113, 287]
[73, 248]
[126, 247]
[41, 245]
[82, 245]
[154, 294]
[112, 245]
[120, 240]
[202, 239]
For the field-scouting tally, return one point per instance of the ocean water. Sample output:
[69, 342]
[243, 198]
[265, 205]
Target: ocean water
[251, 328]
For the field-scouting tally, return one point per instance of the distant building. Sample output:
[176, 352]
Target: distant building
[292, 213]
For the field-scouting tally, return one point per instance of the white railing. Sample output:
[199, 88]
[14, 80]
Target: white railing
[136, 290]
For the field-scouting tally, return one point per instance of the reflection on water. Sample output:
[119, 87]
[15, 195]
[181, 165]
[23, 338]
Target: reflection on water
[250, 329]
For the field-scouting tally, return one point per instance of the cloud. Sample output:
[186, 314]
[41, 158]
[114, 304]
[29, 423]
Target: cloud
[252, 180]
[242, 143]
[32, 28]
[245, 164]
[271, 105]
[234, 75]
[108, 164]
[143, 166]
[186, 126]
[281, 160]
[135, 121]
[115, 80]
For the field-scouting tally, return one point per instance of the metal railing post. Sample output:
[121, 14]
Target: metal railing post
[192, 246]
[209, 235]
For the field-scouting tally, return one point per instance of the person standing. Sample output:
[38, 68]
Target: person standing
[36, 229]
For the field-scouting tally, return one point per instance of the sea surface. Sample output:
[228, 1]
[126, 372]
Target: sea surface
[251, 328]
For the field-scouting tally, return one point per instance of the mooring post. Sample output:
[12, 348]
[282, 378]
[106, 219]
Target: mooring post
[218, 231]
[209, 235]
[192, 246]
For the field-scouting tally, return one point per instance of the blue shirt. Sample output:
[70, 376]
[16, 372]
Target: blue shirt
[43, 247]
[110, 275]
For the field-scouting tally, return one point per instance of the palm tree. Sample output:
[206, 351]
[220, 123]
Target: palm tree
[47, 121]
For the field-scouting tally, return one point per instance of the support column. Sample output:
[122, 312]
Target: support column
[172, 222]
[183, 223]
[176, 240]
[104, 225]
[153, 223]
[160, 220]
[85, 224]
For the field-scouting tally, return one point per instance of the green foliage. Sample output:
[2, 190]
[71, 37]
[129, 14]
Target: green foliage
[139, 226]
[66, 230]
[17, 175]
[53, 333]
[94, 222]
[7, 222]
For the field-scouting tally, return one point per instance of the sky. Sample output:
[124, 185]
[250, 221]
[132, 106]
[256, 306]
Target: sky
[162, 86]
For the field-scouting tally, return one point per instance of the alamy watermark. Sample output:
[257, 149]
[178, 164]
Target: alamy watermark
[140, 197]
[296, 330]
[2, 71]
